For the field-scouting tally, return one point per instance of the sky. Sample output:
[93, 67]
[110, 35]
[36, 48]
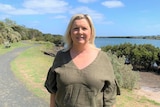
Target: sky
[110, 17]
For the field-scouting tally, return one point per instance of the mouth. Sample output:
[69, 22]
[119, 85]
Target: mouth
[81, 37]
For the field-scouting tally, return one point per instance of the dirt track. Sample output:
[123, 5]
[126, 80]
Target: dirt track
[149, 85]
[12, 92]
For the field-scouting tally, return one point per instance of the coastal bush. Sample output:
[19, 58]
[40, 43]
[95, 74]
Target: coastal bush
[10, 31]
[22, 31]
[126, 77]
[1, 38]
[140, 56]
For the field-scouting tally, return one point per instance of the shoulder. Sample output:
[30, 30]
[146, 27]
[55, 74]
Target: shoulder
[104, 54]
[105, 65]
[105, 58]
[61, 53]
[62, 56]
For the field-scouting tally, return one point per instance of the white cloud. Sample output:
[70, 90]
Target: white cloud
[97, 17]
[6, 7]
[22, 12]
[113, 3]
[86, 10]
[87, 1]
[46, 6]
[60, 17]
[36, 7]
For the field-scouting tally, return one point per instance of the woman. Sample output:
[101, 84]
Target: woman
[81, 75]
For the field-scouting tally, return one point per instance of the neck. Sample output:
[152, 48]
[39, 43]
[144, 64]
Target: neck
[80, 49]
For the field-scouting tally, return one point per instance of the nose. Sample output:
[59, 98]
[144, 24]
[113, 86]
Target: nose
[80, 31]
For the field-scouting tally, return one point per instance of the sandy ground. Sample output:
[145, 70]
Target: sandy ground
[149, 86]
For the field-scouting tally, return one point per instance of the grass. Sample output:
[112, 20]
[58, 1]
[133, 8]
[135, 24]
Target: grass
[131, 99]
[32, 65]
[4, 50]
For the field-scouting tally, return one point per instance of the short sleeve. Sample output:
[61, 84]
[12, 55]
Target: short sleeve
[110, 91]
[51, 83]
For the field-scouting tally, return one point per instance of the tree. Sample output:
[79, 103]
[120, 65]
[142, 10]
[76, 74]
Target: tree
[9, 22]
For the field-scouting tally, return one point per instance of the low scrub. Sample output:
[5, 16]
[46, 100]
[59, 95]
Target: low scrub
[126, 77]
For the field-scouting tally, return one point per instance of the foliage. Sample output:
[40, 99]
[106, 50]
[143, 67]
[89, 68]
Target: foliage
[10, 31]
[140, 56]
[22, 31]
[56, 39]
[4, 50]
[125, 76]
[9, 22]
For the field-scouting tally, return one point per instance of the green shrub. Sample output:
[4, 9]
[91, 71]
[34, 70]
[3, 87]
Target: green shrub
[140, 56]
[126, 77]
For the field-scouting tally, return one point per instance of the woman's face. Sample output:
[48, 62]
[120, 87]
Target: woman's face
[80, 32]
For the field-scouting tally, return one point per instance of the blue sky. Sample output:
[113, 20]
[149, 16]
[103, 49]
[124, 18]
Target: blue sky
[110, 17]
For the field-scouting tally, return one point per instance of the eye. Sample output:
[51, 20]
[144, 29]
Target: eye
[76, 28]
[84, 28]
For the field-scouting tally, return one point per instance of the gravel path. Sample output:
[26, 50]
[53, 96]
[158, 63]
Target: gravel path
[12, 92]
[150, 85]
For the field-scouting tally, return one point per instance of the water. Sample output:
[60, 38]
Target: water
[116, 41]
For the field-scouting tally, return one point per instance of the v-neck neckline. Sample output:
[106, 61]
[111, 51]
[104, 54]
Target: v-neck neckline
[76, 67]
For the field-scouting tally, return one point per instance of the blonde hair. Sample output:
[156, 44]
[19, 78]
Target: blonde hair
[67, 36]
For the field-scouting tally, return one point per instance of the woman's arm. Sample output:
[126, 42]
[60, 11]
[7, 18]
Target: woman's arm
[52, 100]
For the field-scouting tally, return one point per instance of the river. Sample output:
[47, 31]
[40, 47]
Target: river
[116, 41]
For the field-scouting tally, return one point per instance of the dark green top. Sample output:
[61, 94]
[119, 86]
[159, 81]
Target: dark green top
[93, 86]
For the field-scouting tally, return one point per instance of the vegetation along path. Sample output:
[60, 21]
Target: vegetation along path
[12, 92]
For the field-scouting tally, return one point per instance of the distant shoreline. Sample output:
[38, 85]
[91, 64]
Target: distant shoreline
[114, 37]
[132, 37]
